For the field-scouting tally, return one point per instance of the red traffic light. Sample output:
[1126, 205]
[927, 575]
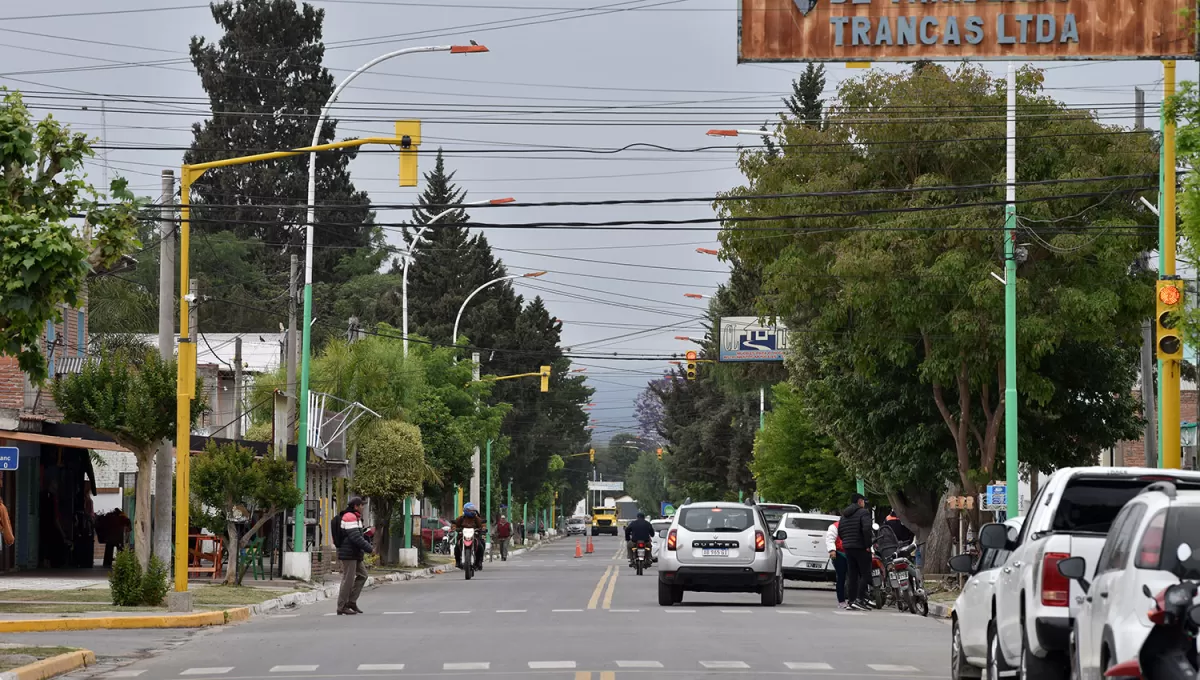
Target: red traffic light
[691, 355]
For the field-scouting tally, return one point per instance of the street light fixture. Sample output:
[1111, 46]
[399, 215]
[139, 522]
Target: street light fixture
[413, 244]
[736, 133]
[694, 296]
[708, 251]
[530, 275]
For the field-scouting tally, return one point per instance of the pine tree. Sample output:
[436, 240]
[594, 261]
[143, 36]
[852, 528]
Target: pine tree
[265, 84]
[805, 102]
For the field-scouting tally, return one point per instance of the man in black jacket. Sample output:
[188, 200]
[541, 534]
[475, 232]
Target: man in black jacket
[351, 545]
[856, 529]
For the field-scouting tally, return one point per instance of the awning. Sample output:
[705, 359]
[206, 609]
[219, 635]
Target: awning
[74, 442]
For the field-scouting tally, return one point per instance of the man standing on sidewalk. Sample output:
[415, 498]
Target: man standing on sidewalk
[503, 533]
[856, 530]
[352, 546]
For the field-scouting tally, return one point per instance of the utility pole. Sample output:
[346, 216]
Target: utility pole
[1149, 400]
[237, 387]
[1011, 462]
[164, 464]
[475, 455]
[292, 349]
[1169, 378]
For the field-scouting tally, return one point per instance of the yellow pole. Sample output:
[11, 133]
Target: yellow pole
[1169, 413]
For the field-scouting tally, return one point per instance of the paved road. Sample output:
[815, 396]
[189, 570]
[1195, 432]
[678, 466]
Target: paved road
[548, 615]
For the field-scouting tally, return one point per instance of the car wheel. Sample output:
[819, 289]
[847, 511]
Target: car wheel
[677, 594]
[780, 581]
[770, 594]
[959, 668]
[1036, 668]
[666, 594]
[996, 665]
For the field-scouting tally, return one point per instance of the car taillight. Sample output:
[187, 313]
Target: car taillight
[1056, 588]
[760, 541]
[671, 540]
[1150, 551]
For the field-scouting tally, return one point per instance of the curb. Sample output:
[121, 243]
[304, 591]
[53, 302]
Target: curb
[217, 618]
[942, 611]
[48, 668]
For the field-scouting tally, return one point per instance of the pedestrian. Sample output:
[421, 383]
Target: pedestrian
[6, 528]
[503, 532]
[855, 528]
[837, 556]
[352, 546]
[903, 535]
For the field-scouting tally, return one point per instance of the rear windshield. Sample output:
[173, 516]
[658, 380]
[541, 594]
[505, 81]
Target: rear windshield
[774, 514]
[1181, 529]
[808, 523]
[716, 519]
[1089, 505]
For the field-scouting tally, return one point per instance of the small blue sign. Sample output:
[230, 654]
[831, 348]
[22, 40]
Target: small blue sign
[997, 494]
[10, 457]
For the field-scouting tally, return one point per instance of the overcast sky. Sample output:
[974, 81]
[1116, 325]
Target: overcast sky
[598, 74]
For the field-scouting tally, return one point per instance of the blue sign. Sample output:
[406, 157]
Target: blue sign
[743, 339]
[10, 456]
[997, 495]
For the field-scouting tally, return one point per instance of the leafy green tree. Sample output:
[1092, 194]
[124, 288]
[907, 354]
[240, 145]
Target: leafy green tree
[793, 463]
[805, 102]
[390, 467]
[646, 481]
[622, 451]
[45, 261]
[129, 396]
[240, 487]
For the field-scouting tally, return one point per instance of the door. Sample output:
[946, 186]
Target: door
[975, 608]
[1093, 614]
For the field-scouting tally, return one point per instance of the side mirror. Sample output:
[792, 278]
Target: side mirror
[994, 537]
[781, 535]
[961, 564]
[1075, 568]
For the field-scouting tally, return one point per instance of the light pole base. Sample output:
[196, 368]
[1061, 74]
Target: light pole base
[179, 601]
[407, 557]
[297, 565]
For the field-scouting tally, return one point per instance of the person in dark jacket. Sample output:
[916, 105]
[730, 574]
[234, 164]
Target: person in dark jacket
[857, 534]
[352, 545]
[903, 534]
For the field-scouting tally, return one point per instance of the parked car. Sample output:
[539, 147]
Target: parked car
[802, 539]
[577, 526]
[1035, 606]
[775, 512]
[1147, 547]
[720, 548]
[432, 531]
[972, 610]
[660, 536]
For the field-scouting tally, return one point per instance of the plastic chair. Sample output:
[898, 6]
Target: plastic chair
[252, 556]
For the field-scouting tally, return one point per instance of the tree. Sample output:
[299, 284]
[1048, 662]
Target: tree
[241, 488]
[648, 411]
[622, 451]
[130, 396]
[44, 261]
[805, 102]
[793, 463]
[855, 280]
[646, 481]
[266, 84]
[390, 467]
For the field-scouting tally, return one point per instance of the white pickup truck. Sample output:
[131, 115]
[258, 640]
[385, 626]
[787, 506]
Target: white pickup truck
[1034, 606]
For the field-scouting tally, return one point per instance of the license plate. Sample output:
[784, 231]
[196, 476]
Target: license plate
[814, 565]
[903, 579]
[875, 573]
[715, 552]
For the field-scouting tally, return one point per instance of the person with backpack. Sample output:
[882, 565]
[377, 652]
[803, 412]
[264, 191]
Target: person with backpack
[352, 545]
[837, 555]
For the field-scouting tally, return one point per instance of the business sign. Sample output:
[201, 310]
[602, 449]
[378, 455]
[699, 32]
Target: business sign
[667, 510]
[606, 486]
[10, 457]
[744, 339]
[908, 30]
[996, 498]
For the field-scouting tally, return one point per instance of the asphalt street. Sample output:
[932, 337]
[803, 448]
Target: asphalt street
[550, 615]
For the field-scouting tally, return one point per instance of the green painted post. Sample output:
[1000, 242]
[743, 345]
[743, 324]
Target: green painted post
[861, 486]
[487, 498]
[525, 522]
[1011, 462]
[407, 526]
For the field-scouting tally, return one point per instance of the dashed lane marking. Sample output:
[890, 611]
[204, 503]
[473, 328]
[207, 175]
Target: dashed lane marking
[292, 669]
[123, 674]
[735, 611]
[511, 611]
[679, 611]
[549, 665]
[725, 665]
[207, 671]
[892, 668]
[792, 611]
[381, 667]
[559, 611]
[639, 664]
[395, 613]
[625, 611]
[466, 666]
[457, 611]
[807, 666]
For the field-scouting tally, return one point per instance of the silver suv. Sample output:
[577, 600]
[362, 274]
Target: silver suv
[719, 548]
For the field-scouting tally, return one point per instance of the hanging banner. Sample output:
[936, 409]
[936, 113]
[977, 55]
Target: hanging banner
[744, 339]
[606, 486]
[909, 30]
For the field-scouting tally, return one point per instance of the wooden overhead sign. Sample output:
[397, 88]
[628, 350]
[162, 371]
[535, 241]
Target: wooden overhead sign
[954, 30]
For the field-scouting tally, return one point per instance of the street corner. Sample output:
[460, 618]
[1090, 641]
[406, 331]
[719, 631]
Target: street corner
[50, 667]
[197, 620]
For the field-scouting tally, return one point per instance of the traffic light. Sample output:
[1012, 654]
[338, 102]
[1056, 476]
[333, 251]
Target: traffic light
[592, 456]
[659, 452]
[545, 378]
[409, 133]
[1169, 302]
[691, 364]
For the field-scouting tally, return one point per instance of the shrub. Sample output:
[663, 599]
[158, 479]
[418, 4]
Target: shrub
[125, 581]
[154, 583]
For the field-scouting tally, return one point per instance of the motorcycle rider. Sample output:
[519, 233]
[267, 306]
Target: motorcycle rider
[639, 529]
[902, 533]
[470, 519]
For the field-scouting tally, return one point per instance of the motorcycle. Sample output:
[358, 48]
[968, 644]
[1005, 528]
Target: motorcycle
[445, 545]
[469, 546]
[907, 583]
[641, 557]
[1169, 652]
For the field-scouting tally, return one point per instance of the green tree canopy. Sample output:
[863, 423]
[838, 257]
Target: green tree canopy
[646, 481]
[390, 467]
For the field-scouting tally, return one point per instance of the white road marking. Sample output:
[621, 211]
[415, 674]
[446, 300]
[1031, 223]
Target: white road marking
[467, 666]
[807, 666]
[841, 613]
[283, 616]
[511, 611]
[292, 669]
[639, 664]
[566, 610]
[458, 611]
[207, 671]
[551, 664]
[123, 674]
[381, 667]
[892, 668]
[331, 614]
[735, 611]
[395, 613]
[724, 664]
[679, 611]
[626, 611]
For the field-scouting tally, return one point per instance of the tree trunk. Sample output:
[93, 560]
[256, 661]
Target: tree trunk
[164, 498]
[234, 545]
[382, 510]
[939, 543]
[141, 527]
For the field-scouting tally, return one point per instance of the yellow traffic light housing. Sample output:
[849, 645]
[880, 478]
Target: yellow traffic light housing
[592, 456]
[409, 134]
[659, 452]
[1169, 310]
[691, 364]
[545, 373]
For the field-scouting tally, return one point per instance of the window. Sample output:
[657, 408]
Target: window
[1181, 529]
[809, 524]
[716, 519]
[1120, 537]
[1091, 504]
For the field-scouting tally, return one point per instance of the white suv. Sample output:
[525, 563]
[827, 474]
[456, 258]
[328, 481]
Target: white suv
[720, 548]
[802, 538]
[1143, 549]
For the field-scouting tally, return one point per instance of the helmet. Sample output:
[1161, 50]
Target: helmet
[469, 509]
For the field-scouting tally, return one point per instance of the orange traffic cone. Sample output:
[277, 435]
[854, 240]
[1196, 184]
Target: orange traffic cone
[578, 549]
[589, 545]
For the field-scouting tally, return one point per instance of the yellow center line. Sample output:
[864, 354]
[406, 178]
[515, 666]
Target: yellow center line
[583, 675]
[599, 588]
[612, 585]
[608, 675]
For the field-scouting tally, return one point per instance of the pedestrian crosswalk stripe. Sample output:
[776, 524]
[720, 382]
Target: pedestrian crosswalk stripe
[466, 666]
[395, 613]
[892, 668]
[639, 664]
[381, 667]
[293, 669]
[123, 674]
[724, 664]
[792, 611]
[457, 611]
[207, 671]
[565, 610]
[807, 666]
[535, 665]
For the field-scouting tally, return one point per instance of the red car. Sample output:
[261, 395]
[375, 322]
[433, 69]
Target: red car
[432, 531]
